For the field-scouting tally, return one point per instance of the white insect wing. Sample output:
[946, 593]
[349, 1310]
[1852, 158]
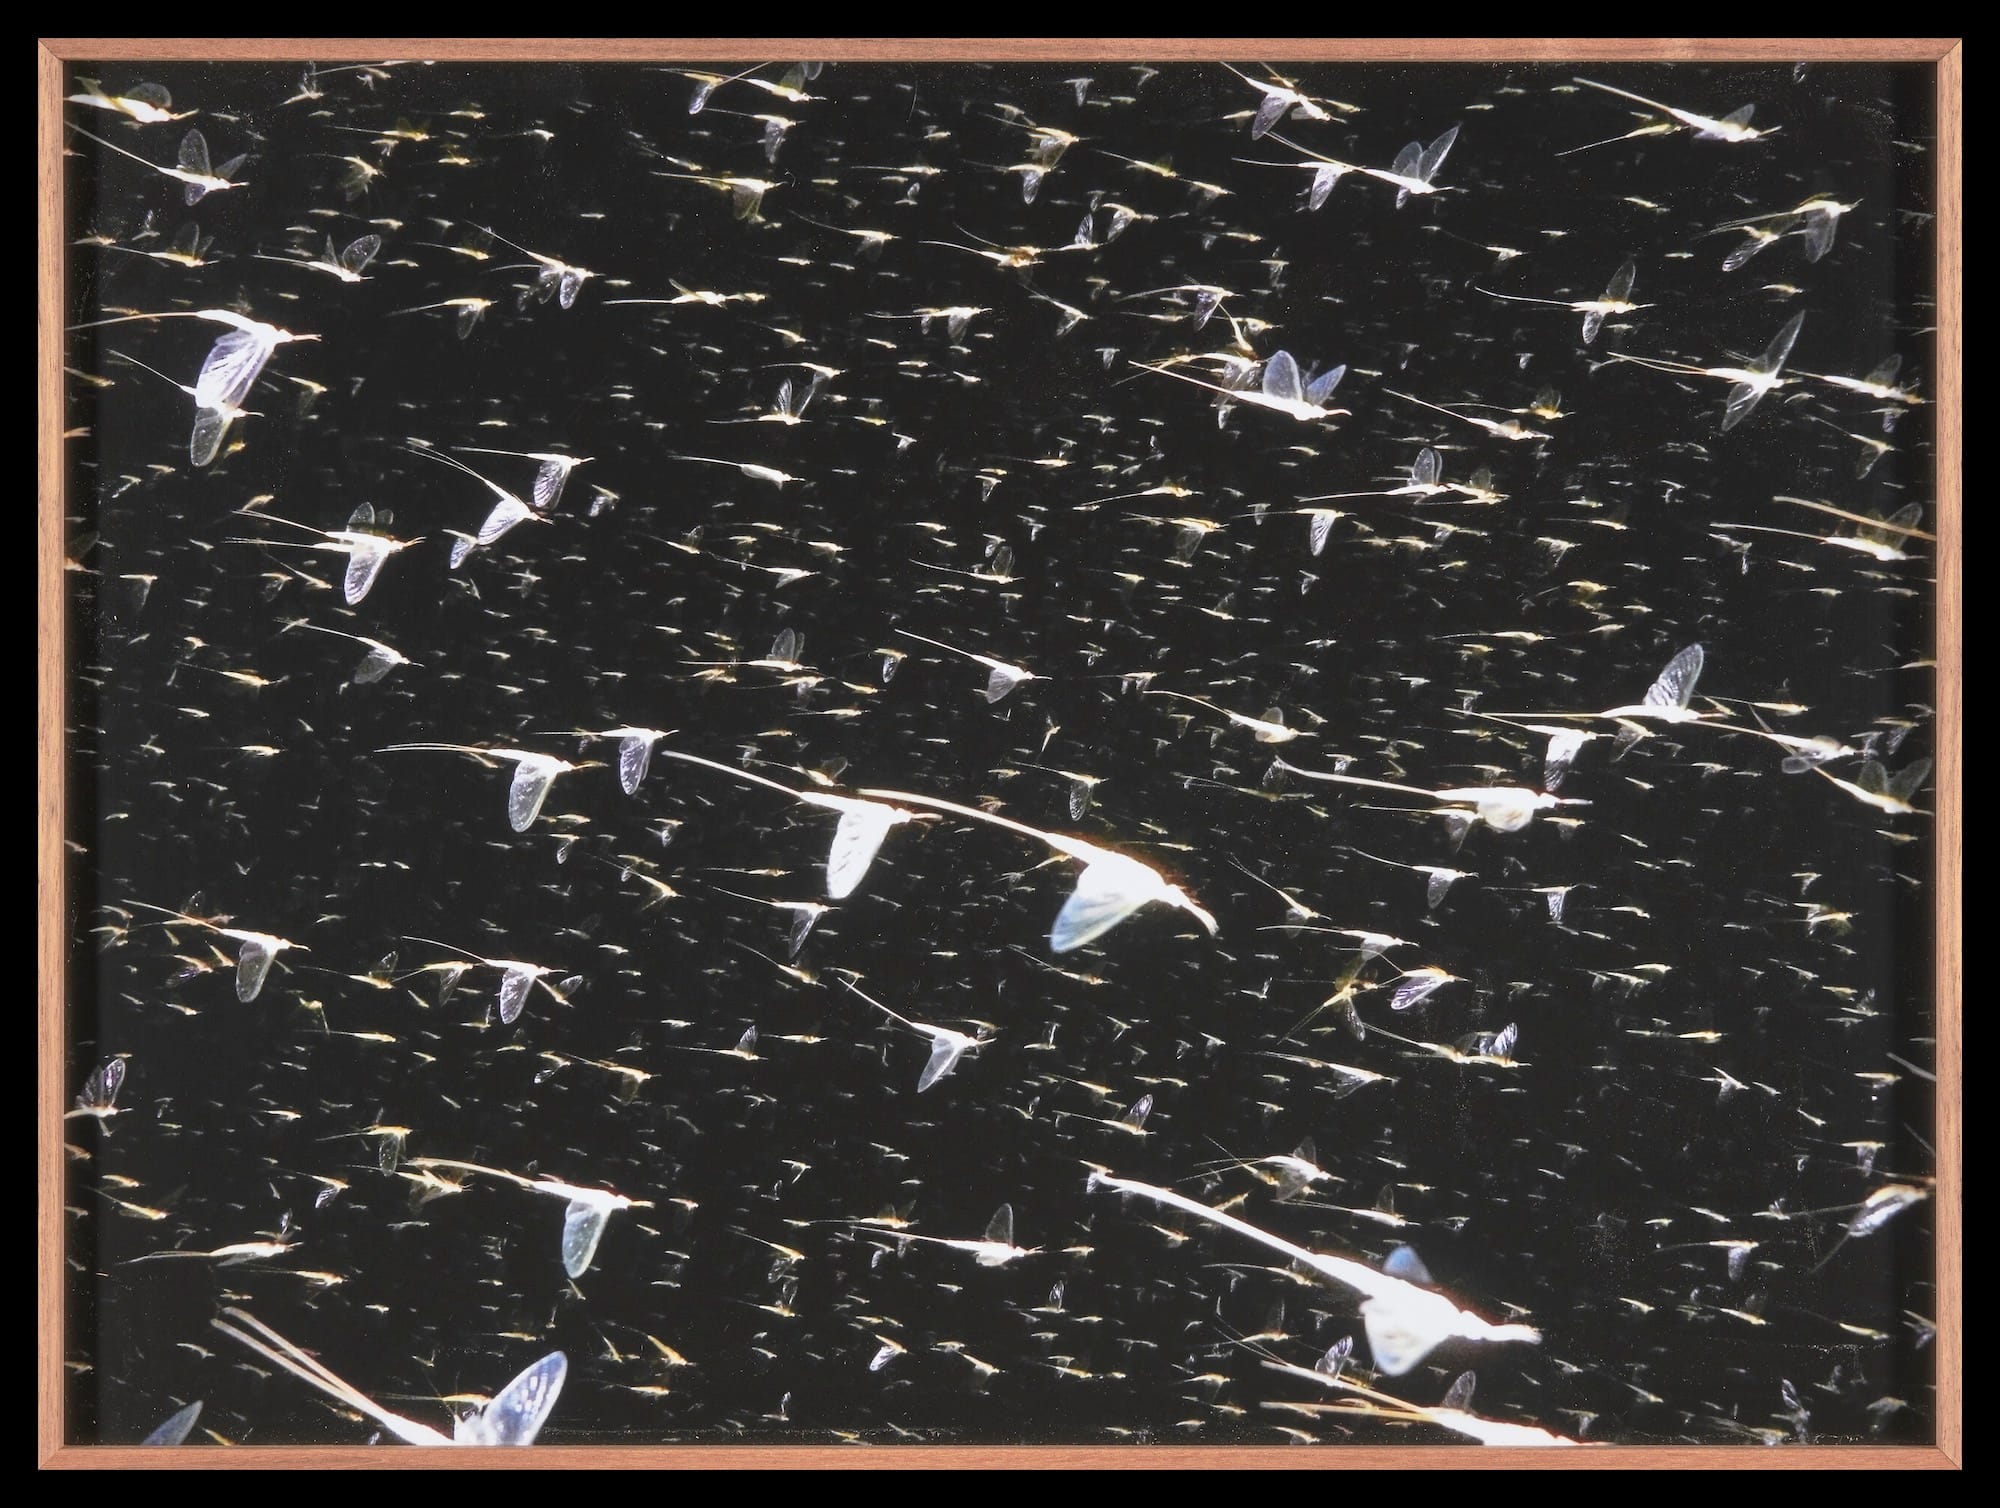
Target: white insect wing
[945, 1053]
[514, 986]
[377, 665]
[855, 841]
[1002, 681]
[506, 513]
[517, 1413]
[252, 964]
[549, 485]
[635, 757]
[364, 564]
[583, 1228]
[1675, 687]
[1402, 1331]
[532, 779]
[1281, 379]
[231, 369]
[177, 1429]
[1109, 890]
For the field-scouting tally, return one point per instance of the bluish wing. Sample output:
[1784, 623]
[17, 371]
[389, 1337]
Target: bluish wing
[518, 1412]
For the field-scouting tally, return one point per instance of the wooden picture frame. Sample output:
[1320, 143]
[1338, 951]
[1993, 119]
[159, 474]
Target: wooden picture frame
[54, 1093]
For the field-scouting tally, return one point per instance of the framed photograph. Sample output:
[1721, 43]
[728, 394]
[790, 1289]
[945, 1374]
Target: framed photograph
[1201, 753]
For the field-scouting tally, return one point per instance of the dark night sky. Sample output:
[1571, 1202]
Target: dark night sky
[1580, 1189]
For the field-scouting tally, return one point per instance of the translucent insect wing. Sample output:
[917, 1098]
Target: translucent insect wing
[855, 842]
[1268, 115]
[1322, 526]
[514, 986]
[1001, 681]
[1434, 155]
[1619, 289]
[360, 253]
[945, 1054]
[1000, 1229]
[506, 513]
[377, 665]
[176, 1430]
[231, 369]
[516, 1415]
[635, 756]
[1400, 1335]
[1281, 379]
[252, 964]
[1437, 888]
[194, 156]
[1773, 359]
[1675, 687]
[1321, 387]
[364, 564]
[1106, 893]
[571, 283]
[532, 780]
[583, 1228]
[1425, 472]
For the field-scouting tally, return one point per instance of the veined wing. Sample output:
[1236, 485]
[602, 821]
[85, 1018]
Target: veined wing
[506, 513]
[635, 757]
[100, 1090]
[1000, 1229]
[532, 779]
[855, 842]
[377, 665]
[231, 369]
[1268, 115]
[1322, 526]
[194, 155]
[583, 1228]
[364, 564]
[514, 987]
[1675, 686]
[1562, 752]
[1003, 680]
[1434, 155]
[518, 1412]
[1109, 890]
[1426, 469]
[1773, 359]
[945, 1053]
[549, 486]
[359, 254]
[252, 964]
[1281, 379]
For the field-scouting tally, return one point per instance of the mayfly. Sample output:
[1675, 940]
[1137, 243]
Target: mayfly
[1879, 539]
[513, 1416]
[1733, 127]
[1504, 808]
[1280, 387]
[193, 169]
[1617, 299]
[1280, 98]
[1748, 385]
[995, 1249]
[1815, 220]
[863, 824]
[553, 276]
[1111, 887]
[550, 478]
[148, 104]
[583, 1219]
[516, 978]
[1876, 787]
[1504, 429]
[365, 550]
[253, 959]
[1405, 1320]
[1415, 166]
[382, 658]
[99, 1097]
[1001, 677]
[1268, 729]
[507, 511]
[231, 370]
[947, 1046]
[347, 264]
[533, 774]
